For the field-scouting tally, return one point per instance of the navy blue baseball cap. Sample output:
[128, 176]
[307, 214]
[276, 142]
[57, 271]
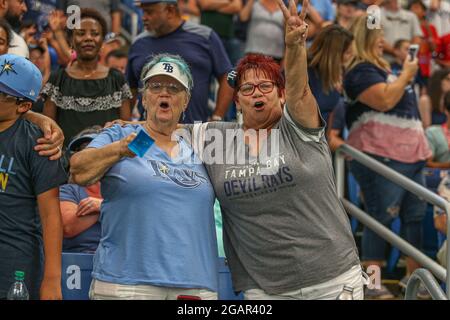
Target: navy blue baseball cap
[19, 77]
[78, 140]
[140, 2]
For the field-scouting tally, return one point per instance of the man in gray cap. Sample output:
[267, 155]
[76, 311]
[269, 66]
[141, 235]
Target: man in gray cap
[200, 46]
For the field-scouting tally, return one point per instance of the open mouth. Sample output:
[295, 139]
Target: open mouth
[259, 105]
[164, 105]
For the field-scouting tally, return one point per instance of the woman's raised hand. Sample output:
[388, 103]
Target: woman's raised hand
[296, 27]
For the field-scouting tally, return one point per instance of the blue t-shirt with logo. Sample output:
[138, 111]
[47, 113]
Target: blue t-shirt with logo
[86, 241]
[199, 46]
[157, 219]
[24, 175]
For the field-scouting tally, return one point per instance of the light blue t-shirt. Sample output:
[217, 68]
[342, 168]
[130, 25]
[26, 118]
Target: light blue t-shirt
[157, 219]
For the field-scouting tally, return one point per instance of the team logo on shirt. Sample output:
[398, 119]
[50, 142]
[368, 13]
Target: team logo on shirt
[6, 170]
[182, 177]
[7, 67]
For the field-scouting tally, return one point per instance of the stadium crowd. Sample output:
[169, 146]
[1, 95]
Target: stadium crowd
[80, 97]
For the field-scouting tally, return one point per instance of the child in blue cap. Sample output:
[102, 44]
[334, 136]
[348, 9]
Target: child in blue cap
[28, 185]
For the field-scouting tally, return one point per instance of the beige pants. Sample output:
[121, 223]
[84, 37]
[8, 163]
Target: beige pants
[101, 290]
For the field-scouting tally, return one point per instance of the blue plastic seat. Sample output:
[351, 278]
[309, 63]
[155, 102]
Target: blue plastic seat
[76, 277]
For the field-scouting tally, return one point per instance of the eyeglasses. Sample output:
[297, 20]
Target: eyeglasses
[6, 97]
[247, 89]
[157, 87]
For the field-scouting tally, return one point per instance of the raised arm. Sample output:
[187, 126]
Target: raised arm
[299, 99]
[385, 96]
[246, 11]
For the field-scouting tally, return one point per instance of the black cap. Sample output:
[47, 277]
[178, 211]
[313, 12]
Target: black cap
[77, 141]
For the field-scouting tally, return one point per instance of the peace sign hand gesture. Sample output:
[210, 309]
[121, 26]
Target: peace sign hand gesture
[296, 27]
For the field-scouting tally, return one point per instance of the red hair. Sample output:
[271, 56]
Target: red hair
[262, 65]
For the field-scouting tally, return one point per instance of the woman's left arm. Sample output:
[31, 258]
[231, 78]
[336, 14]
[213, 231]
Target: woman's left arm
[299, 99]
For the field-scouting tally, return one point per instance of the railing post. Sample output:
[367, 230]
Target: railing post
[395, 240]
[423, 276]
[447, 279]
[410, 186]
[339, 166]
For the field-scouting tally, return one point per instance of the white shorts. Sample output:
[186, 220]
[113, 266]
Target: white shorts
[328, 290]
[101, 290]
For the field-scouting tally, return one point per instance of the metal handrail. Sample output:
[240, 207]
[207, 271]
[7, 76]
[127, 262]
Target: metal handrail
[394, 239]
[423, 276]
[406, 183]
[130, 35]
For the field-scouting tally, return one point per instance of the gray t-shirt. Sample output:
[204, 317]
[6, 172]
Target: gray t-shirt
[282, 231]
[265, 32]
[398, 25]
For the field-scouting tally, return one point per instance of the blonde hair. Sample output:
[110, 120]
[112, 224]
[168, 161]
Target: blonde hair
[364, 41]
[326, 53]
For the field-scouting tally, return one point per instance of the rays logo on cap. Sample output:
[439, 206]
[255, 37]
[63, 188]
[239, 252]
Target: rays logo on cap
[231, 78]
[168, 67]
[7, 67]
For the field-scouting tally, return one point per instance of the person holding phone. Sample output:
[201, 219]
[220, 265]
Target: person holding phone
[158, 236]
[384, 122]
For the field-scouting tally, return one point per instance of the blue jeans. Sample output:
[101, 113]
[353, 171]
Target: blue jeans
[385, 201]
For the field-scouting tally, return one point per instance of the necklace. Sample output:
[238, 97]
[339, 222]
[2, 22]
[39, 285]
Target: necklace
[90, 74]
[86, 75]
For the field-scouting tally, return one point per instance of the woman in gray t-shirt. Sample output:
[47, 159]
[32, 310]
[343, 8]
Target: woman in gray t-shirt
[286, 234]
